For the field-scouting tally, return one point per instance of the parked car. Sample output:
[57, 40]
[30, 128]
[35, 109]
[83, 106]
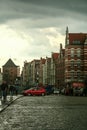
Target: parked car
[56, 91]
[62, 91]
[78, 91]
[49, 89]
[37, 91]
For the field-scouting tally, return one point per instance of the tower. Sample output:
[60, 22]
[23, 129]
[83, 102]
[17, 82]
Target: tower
[67, 37]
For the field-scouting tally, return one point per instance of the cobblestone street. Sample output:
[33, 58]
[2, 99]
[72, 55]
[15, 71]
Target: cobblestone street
[51, 112]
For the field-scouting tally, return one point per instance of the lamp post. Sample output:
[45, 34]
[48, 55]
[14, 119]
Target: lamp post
[37, 78]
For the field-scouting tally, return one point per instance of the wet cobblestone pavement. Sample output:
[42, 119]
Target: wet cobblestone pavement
[51, 112]
[9, 101]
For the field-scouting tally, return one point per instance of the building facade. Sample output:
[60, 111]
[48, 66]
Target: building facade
[47, 71]
[60, 68]
[35, 71]
[42, 62]
[54, 63]
[26, 74]
[10, 72]
[75, 57]
[66, 67]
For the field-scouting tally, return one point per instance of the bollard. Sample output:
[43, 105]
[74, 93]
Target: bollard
[0, 103]
[11, 98]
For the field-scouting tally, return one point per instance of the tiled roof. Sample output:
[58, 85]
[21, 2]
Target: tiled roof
[77, 37]
[43, 61]
[35, 60]
[48, 59]
[9, 63]
[55, 55]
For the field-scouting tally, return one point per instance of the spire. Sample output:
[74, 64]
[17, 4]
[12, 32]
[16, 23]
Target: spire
[67, 30]
[60, 47]
[67, 36]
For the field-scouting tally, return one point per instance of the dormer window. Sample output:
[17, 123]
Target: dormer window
[76, 42]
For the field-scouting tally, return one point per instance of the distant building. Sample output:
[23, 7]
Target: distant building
[26, 74]
[35, 71]
[42, 62]
[60, 68]
[10, 71]
[47, 71]
[67, 67]
[54, 64]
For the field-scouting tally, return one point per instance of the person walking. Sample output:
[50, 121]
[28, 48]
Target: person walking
[16, 89]
[11, 90]
[4, 89]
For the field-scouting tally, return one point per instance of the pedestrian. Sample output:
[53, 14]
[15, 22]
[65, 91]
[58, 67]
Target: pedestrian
[16, 89]
[11, 90]
[4, 89]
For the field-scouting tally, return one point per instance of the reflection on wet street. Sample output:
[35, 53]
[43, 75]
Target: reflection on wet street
[51, 112]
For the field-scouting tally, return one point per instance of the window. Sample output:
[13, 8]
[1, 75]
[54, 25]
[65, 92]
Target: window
[72, 75]
[72, 52]
[72, 64]
[78, 74]
[78, 52]
[78, 64]
[76, 42]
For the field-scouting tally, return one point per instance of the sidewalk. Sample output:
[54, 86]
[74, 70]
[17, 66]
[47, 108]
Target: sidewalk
[3, 106]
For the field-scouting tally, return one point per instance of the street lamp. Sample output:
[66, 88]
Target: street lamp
[37, 77]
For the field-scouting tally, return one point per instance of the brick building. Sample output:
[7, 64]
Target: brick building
[35, 70]
[54, 68]
[60, 68]
[10, 72]
[75, 57]
[42, 62]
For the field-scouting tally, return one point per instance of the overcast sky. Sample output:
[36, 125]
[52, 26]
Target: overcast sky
[30, 29]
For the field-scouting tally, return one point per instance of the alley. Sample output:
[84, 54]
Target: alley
[51, 112]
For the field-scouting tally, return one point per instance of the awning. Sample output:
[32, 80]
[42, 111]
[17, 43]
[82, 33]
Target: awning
[78, 84]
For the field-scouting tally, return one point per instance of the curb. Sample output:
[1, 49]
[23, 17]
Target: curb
[6, 105]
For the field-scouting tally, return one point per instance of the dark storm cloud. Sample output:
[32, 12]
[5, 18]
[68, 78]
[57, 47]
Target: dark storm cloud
[36, 9]
[75, 5]
[44, 13]
[39, 25]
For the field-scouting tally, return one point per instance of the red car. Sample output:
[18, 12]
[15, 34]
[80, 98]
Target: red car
[37, 91]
